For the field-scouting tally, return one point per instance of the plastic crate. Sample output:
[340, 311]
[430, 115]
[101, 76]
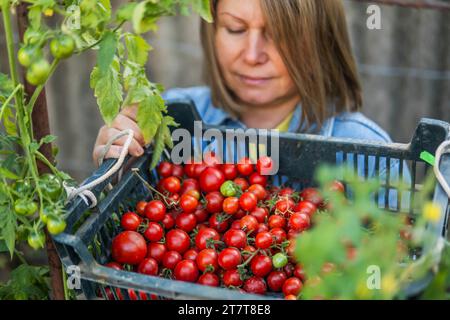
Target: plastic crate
[87, 240]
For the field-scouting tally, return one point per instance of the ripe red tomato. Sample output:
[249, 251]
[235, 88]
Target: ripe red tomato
[312, 195]
[156, 251]
[259, 191]
[264, 165]
[171, 184]
[292, 286]
[191, 254]
[211, 179]
[305, 207]
[207, 260]
[248, 201]
[284, 205]
[260, 213]
[247, 252]
[337, 186]
[275, 280]
[249, 223]
[133, 296]
[129, 247]
[201, 214]
[171, 259]
[239, 214]
[186, 270]
[229, 258]
[236, 225]
[154, 232]
[279, 235]
[262, 227]
[177, 240]
[140, 207]
[241, 183]
[209, 279]
[232, 278]
[256, 178]
[188, 203]
[286, 192]
[155, 210]
[219, 222]
[214, 202]
[299, 221]
[130, 221]
[189, 184]
[206, 238]
[165, 169]
[177, 171]
[255, 285]
[114, 265]
[193, 193]
[261, 265]
[263, 240]
[245, 166]
[276, 221]
[168, 222]
[186, 222]
[148, 266]
[230, 205]
[235, 238]
[299, 272]
[230, 171]
[289, 269]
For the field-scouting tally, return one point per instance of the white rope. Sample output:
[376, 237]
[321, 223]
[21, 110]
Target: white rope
[84, 192]
[443, 149]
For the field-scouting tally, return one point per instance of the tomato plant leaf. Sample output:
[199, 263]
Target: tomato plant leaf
[8, 227]
[8, 174]
[149, 116]
[47, 139]
[26, 283]
[202, 7]
[9, 121]
[137, 49]
[125, 11]
[158, 147]
[108, 47]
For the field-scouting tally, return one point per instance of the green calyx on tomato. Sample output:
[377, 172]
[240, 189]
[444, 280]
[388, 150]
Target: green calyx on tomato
[55, 225]
[38, 72]
[62, 47]
[279, 260]
[25, 207]
[228, 189]
[36, 240]
[51, 186]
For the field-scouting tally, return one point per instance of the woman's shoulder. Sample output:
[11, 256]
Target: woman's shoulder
[356, 125]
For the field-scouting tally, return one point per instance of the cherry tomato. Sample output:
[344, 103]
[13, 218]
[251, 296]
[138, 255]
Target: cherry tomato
[230, 205]
[177, 171]
[148, 266]
[229, 258]
[259, 191]
[36, 240]
[209, 279]
[249, 223]
[292, 286]
[214, 202]
[206, 238]
[241, 183]
[312, 195]
[235, 238]
[188, 203]
[261, 265]
[191, 254]
[275, 280]
[261, 214]
[171, 259]
[245, 167]
[186, 222]
[337, 186]
[156, 251]
[218, 222]
[154, 232]
[263, 240]
[140, 207]
[27, 54]
[130, 221]
[201, 214]
[56, 225]
[193, 193]
[305, 207]
[279, 235]
[248, 201]
[284, 205]
[171, 184]
[168, 222]
[286, 192]
[177, 240]
[256, 178]
[230, 171]
[232, 278]
[186, 270]
[236, 225]
[211, 179]
[155, 210]
[249, 250]
[228, 189]
[129, 247]
[38, 72]
[255, 285]
[207, 260]
[165, 169]
[114, 265]
[62, 47]
[262, 227]
[239, 214]
[264, 165]
[299, 221]
[276, 221]
[279, 260]
[299, 272]
[189, 184]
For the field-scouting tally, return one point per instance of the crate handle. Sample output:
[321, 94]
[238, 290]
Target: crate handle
[84, 192]
[444, 148]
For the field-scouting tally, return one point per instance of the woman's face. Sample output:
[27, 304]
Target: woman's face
[248, 58]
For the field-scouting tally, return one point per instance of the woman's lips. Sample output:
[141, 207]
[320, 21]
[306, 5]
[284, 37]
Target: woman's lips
[254, 81]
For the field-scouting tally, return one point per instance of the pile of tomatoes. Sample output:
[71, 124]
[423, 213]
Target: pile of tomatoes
[219, 225]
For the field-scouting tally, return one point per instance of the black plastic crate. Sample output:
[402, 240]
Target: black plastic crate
[87, 240]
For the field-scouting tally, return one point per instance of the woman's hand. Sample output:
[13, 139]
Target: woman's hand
[125, 120]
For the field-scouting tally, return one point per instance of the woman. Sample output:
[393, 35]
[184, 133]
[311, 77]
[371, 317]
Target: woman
[272, 64]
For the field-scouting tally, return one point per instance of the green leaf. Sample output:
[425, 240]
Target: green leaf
[47, 139]
[34, 17]
[108, 47]
[8, 174]
[34, 146]
[149, 116]
[203, 8]
[9, 121]
[137, 49]
[6, 87]
[146, 14]
[125, 11]
[8, 228]
[26, 283]
[108, 91]
[158, 147]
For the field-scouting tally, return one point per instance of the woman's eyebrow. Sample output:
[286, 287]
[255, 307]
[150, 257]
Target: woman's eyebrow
[233, 16]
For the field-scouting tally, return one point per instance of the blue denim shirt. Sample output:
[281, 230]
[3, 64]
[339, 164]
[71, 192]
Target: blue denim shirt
[344, 125]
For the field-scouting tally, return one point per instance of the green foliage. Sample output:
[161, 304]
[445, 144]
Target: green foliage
[26, 283]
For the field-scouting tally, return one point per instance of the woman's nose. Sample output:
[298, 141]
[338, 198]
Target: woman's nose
[255, 51]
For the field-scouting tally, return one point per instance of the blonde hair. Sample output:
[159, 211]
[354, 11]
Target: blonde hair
[317, 32]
